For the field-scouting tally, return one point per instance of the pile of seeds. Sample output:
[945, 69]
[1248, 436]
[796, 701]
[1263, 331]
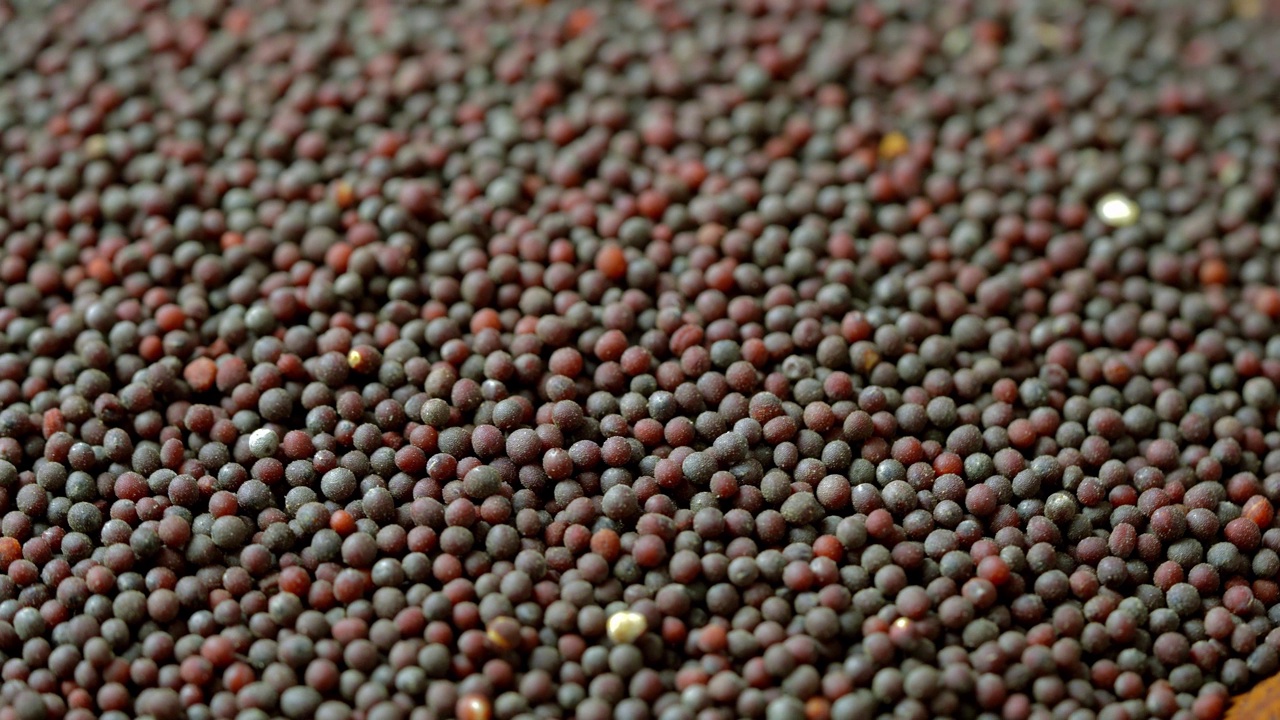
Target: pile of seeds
[645, 359]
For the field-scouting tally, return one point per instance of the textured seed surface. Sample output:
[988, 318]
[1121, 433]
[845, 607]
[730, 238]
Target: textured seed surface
[730, 359]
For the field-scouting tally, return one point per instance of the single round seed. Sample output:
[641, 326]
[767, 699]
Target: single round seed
[626, 626]
[1117, 210]
[263, 442]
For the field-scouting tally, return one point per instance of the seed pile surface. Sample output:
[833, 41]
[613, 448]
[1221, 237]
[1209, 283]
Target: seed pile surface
[652, 360]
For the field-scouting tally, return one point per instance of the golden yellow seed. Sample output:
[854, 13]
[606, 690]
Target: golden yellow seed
[354, 359]
[1117, 210]
[893, 145]
[95, 146]
[626, 627]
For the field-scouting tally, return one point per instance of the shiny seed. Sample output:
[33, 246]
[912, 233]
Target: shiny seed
[626, 626]
[1117, 210]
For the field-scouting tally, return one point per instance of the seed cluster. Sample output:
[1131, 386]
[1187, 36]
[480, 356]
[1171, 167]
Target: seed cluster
[653, 360]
